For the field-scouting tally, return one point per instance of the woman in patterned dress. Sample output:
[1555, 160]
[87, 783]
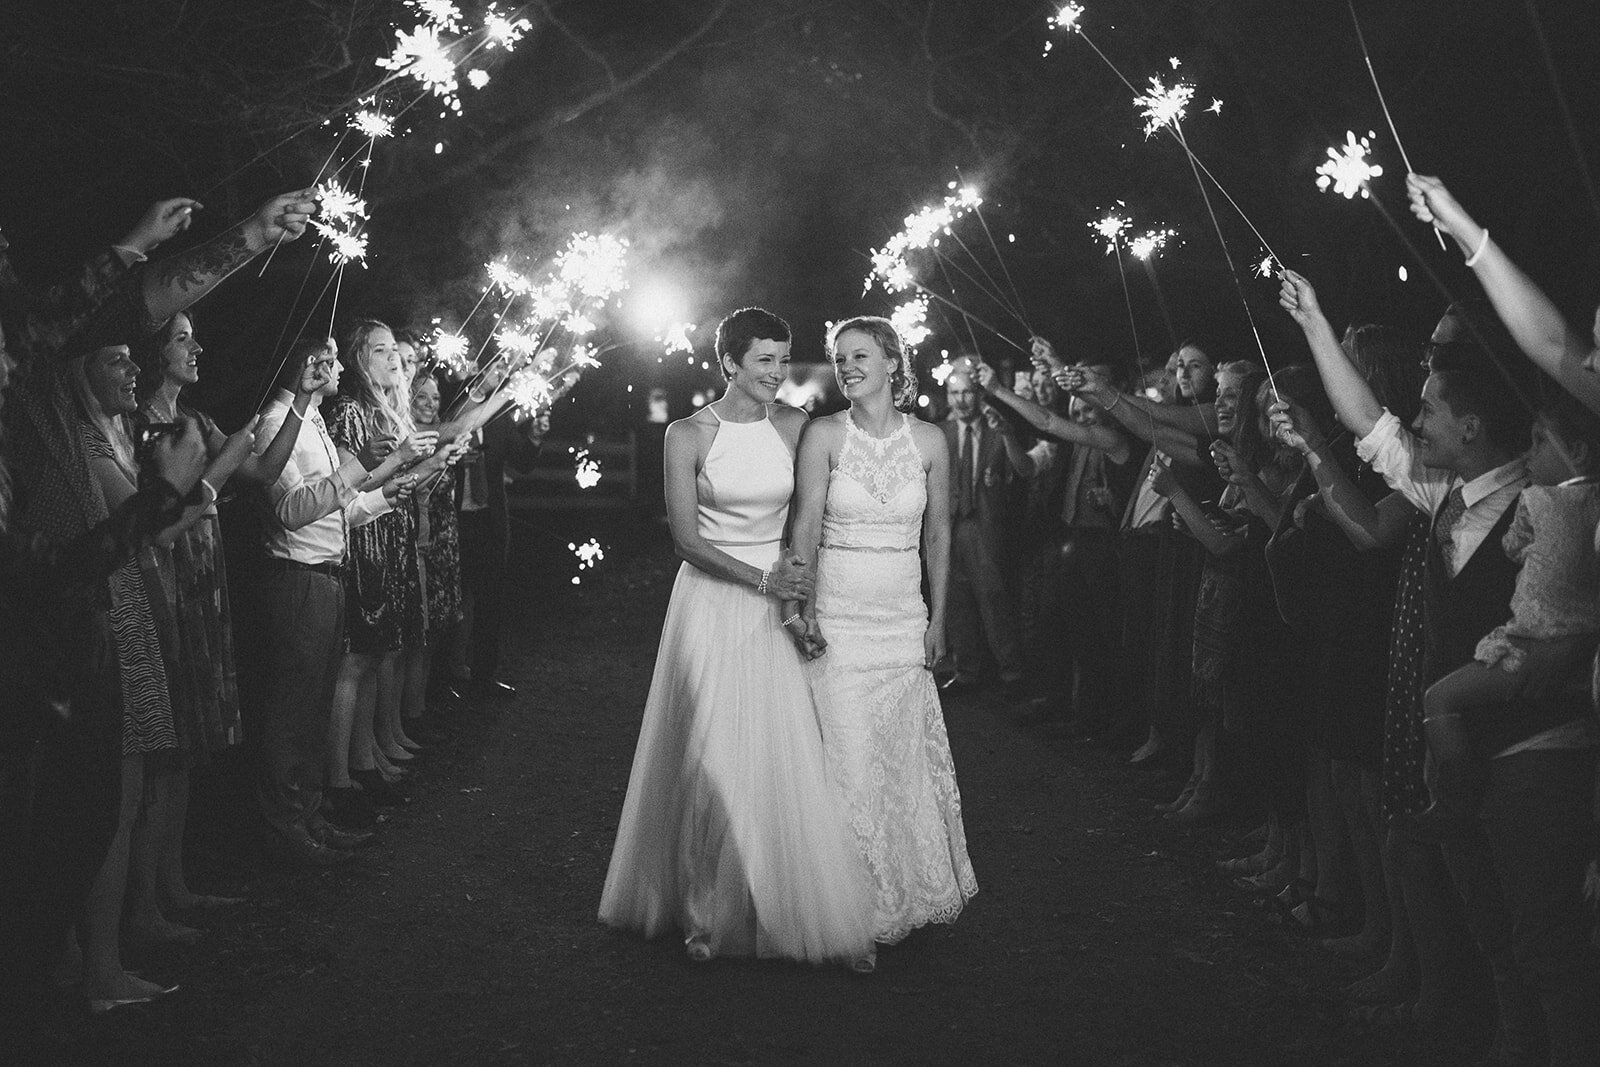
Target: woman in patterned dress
[439, 546]
[195, 626]
[384, 607]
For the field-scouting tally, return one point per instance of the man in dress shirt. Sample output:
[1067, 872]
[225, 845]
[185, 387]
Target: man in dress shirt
[1519, 873]
[312, 505]
[985, 457]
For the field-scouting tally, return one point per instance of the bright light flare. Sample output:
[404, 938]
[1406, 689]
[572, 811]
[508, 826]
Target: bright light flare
[442, 14]
[594, 266]
[450, 351]
[373, 124]
[1066, 18]
[336, 204]
[1268, 267]
[1150, 242]
[501, 29]
[1163, 106]
[586, 470]
[1346, 169]
[589, 553]
[1111, 228]
[676, 338]
[921, 230]
[910, 321]
[421, 55]
[347, 248]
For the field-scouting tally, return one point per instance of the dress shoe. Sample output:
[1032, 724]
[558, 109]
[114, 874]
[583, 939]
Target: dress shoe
[302, 851]
[349, 807]
[379, 791]
[99, 1006]
[344, 840]
[493, 689]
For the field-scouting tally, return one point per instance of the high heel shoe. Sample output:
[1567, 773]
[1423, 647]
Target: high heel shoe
[378, 790]
[1183, 798]
[102, 1005]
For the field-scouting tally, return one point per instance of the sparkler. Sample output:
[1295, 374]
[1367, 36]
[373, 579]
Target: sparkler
[347, 248]
[922, 230]
[1111, 228]
[420, 54]
[501, 29]
[1268, 267]
[450, 352]
[1163, 106]
[1346, 169]
[1149, 243]
[372, 124]
[477, 78]
[586, 469]
[589, 553]
[676, 338]
[910, 321]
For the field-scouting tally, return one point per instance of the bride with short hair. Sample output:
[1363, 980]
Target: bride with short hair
[872, 480]
[732, 831]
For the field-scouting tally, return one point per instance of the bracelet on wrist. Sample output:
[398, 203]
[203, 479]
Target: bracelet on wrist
[766, 576]
[1116, 399]
[1483, 242]
[792, 618]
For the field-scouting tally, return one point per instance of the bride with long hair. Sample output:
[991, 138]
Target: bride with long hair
[732, 832]
[873, 480]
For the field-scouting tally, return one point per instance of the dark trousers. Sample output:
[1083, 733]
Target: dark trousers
[1521, 879]
[980, 612]
[485, 544]
[305, 629]
[1076, 643]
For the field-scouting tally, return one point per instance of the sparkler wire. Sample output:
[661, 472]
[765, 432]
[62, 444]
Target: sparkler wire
[1022, 312]
[996, 294]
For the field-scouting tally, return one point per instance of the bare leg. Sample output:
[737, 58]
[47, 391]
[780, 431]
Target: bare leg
[103, 976]
[419, 664]
[1351, 783]
[151, 838]
[343, 752]
[363, 749]
[386, 716]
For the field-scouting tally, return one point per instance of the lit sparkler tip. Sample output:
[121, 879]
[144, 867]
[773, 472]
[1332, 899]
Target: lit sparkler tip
[336, 204]
[450, 351]
[910, 321]
[586, 471]
[584, 356]
[1162, 106]
[372, 124]
[420, 54]
[589, 553]
[1346, 169]
[1111, 228]
[1066, 18]
[442, 14]
[579, 325]
[1268, 267]
[477, 78]
[676, 338]
[1216, 106]
[347, 248]
[1150, 242]
[501, 29]
[942, 372]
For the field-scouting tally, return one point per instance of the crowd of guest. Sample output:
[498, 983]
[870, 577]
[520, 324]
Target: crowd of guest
[374, 592]
[1357, 596]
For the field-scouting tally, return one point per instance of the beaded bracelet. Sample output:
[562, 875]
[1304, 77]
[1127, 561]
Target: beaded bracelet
[792, 618]
[761, 586]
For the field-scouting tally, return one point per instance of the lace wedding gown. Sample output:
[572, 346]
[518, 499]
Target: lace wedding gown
[732, 830]
[881, 721]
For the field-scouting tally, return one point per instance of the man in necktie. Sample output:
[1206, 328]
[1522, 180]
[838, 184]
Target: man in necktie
[987, 458]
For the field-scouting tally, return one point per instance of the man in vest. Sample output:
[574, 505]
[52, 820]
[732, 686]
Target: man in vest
[1519, 875]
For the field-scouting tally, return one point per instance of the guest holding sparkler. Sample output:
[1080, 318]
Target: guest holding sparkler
[439, 549]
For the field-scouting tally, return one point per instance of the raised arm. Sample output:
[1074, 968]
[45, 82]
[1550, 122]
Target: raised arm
[178, 281]
[1365, 524]
[1048, 422]
[1353, 399]
[1535, 323]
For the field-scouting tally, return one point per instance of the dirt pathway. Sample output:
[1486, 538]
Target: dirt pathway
[469, 935]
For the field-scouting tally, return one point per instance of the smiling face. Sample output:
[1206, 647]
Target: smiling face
[1441, 433]
[1195, 373]
[962, 396]
[425, 402]
[761, 370]
[860, 365]
[113, 380]
[1228, 384]
[180, 356]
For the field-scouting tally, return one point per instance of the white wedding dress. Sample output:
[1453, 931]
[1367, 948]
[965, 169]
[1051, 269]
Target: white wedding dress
[881, 721]
[732, 830]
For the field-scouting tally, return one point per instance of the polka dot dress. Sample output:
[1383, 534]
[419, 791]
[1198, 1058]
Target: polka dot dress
[1404, 744]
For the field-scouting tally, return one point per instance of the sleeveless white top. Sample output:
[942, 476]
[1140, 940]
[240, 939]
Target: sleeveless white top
[745, 483]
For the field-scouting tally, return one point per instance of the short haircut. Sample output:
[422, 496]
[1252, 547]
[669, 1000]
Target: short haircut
[1473, 383]
[737, 332]
[299, 353]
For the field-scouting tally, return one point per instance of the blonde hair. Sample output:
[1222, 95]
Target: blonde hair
[903, 379]
[113, 427]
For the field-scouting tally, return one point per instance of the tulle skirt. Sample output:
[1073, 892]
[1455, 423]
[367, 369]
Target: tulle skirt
[732, 829]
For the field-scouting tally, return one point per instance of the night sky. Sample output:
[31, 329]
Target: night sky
[760, 163]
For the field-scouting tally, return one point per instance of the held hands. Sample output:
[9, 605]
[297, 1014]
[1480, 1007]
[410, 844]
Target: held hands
[237, 449]
[933, 646]
[805, 632]
[420, 445]
[1298, 298]
[1043, 354]
[1431, 202]
[162, 221]
[283, 218]
[1229, 463]
[790, 578]
[180, 458]
[1294, 426]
